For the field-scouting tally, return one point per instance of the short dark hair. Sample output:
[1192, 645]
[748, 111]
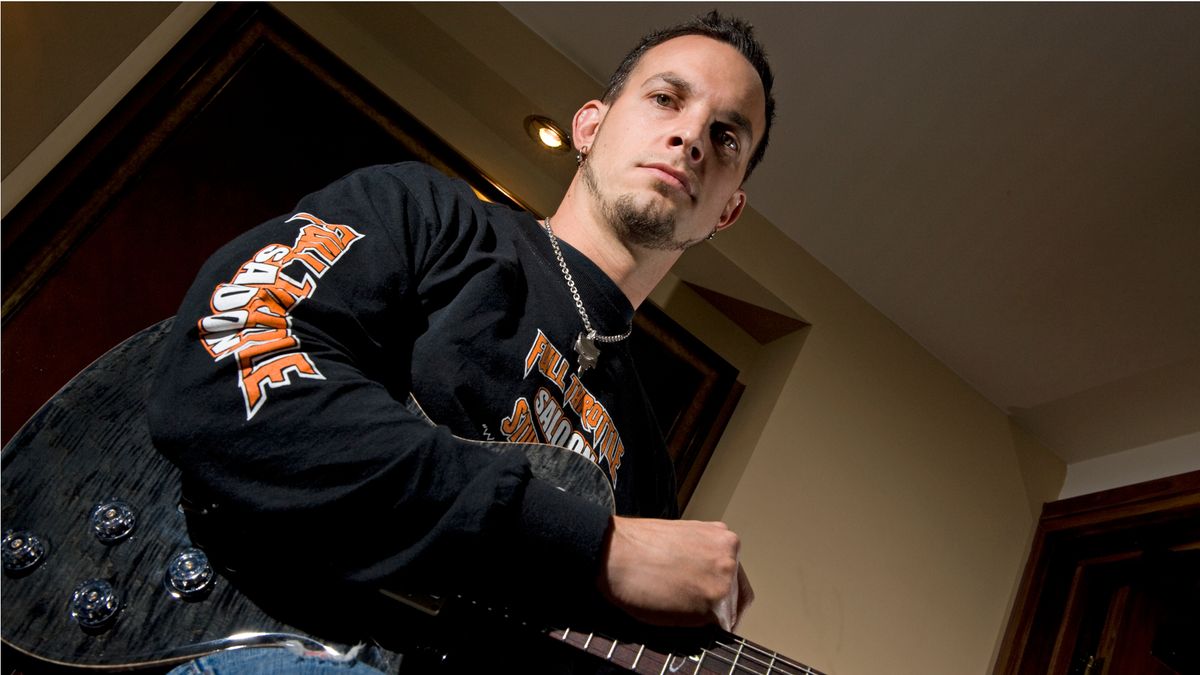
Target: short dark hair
[733, 31]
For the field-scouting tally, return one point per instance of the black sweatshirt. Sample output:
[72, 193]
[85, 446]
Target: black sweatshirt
[281, 392]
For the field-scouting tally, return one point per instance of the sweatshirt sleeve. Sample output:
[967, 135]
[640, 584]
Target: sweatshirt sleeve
[280, 395]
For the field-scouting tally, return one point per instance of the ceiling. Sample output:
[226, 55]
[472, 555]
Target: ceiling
[1017, 186]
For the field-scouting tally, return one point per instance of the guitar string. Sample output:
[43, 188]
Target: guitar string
[773, 666]
[667, 657]
[743, 655]
[734, 666]
[775, 656]
[738, 654]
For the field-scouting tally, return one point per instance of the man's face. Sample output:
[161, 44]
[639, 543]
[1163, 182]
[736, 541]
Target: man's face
[668, 155]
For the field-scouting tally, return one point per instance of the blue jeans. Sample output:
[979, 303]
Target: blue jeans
[272, 660]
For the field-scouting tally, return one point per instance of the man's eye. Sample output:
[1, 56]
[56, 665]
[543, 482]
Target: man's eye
[730, 141]
[663, 99]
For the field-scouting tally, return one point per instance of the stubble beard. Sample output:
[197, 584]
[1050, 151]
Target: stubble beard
[643, 226]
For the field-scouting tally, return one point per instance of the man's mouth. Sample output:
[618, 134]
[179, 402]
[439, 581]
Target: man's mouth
[672, 176]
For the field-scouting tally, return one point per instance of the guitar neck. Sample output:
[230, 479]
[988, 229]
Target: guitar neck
[729, 655]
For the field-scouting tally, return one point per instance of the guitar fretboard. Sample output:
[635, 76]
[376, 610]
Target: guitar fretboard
[725, 657]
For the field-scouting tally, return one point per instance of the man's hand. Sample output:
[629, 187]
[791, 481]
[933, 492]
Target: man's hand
[675, 572]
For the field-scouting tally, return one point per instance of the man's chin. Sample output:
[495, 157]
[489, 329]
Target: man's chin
[649, 229]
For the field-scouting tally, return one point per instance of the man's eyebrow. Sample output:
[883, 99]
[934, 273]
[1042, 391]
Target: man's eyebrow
[741, 122]
[736, 119]
[672, 79]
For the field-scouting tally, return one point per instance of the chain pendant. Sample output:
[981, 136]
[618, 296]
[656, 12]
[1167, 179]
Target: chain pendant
[585, 346]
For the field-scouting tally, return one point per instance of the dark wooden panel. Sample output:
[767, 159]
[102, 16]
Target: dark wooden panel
[1092, 553]
[692, 389]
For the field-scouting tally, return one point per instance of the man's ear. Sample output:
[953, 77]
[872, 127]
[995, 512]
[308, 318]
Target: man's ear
[733, 209]
[586, 123]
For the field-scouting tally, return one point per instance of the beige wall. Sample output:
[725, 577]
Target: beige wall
[38, 37]
[885, 507]
[65, 65]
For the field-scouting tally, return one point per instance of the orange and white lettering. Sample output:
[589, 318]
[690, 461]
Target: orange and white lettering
[259, 274]
[578, 444]
[518, 427]
[548, 359]
[551, 417]
[556, 428]
[575, 393]
[272, 253]
[250, 318]
[275, 372]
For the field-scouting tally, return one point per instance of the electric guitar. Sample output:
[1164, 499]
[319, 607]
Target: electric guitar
[100, 573]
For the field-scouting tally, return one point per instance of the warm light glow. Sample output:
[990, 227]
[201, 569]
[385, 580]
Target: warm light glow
[546, 133]
[550, 137]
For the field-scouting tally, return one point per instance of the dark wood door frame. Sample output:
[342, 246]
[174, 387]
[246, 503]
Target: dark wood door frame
[1119, 524]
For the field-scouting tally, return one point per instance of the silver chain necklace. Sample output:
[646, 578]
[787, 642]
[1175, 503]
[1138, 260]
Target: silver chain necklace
[585, 344]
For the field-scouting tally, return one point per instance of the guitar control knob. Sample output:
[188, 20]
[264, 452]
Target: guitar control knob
[22, 550]
[113, 520]
[95, 605]
[189, 575]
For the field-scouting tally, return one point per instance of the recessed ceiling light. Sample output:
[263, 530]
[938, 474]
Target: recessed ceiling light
[547, 134]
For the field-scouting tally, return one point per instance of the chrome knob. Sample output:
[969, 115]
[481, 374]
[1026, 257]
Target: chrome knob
[22, 550]
[95, 604]
[112, 520]
[189, 575]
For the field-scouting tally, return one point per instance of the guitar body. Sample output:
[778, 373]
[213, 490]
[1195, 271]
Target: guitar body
[90, 445]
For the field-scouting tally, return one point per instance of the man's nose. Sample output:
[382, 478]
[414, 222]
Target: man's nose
[691, 144]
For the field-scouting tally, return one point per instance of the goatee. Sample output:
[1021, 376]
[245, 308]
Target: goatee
[642, 226]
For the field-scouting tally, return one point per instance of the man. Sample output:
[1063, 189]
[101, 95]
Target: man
[282, 395]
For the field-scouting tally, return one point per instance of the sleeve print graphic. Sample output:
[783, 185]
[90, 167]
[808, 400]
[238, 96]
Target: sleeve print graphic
[251, 319]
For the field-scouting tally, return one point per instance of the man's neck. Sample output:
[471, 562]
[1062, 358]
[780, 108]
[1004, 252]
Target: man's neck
[635, 271]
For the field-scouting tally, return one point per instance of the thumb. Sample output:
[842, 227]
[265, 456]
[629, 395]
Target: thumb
[727, 607]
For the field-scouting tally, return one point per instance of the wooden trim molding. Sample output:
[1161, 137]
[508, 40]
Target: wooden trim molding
[1073, 534]
[692, 389]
